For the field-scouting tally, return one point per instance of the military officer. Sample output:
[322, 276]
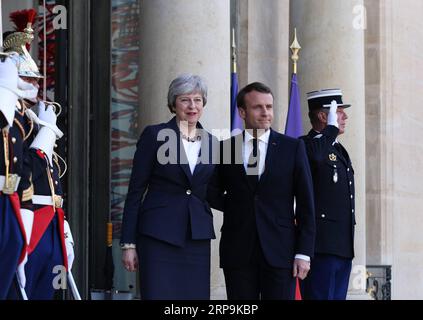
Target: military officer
[48, 248]
[333, 180]
[15, 43]
[12, 230]
[40, 173]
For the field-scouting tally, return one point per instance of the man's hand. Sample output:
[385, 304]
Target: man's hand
[70, 253]
[332, 115]
[301, 268]
[46, 113]
[69, 244]
[130, 259]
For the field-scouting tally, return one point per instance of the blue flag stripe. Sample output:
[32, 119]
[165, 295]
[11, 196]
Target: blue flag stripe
[236, 121]
[294, 125]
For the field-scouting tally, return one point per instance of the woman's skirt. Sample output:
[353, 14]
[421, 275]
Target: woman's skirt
[169, 272]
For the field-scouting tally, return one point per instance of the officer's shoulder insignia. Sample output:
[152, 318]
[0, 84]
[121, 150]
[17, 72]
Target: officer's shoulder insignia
[332, 157]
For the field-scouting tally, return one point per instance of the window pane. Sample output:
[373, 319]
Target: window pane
[124, 119]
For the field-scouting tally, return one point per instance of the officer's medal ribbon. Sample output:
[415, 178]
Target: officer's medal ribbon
[335, 174]
[332, 157]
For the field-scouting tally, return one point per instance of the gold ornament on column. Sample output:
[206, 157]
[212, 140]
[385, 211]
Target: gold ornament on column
[295, 48]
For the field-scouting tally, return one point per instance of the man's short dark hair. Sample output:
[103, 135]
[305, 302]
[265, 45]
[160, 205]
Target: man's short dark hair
[255, 86]
[314, 115]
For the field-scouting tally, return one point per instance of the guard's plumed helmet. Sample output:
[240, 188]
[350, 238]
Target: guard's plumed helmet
[19, 41]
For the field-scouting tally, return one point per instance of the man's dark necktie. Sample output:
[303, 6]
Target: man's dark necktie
[253, 164]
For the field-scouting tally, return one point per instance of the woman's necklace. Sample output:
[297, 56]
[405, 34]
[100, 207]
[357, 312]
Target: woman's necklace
[197, 137]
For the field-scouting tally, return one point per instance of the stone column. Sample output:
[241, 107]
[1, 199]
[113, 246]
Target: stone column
[374, 140]
[187, 36]
[401, 190]
[179, 37]
[331, 35]
[263, 34]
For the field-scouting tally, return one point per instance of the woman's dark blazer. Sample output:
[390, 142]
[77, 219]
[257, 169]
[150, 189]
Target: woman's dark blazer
[174, 207]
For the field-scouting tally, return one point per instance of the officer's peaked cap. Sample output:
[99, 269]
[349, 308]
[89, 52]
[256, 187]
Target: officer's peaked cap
[323, 99]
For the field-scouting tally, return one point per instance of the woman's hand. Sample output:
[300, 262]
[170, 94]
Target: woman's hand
[130, 259]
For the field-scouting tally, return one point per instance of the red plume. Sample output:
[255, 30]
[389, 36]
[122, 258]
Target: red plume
[22, 18]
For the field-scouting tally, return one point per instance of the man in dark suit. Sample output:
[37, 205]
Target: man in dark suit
[264, 244]
[333, 178]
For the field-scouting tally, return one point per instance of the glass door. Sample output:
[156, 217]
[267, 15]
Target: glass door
[124, 119]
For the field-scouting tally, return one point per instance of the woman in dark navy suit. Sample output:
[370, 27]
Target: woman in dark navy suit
[167, 231]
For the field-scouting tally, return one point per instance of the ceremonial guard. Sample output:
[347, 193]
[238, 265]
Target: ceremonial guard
[333, 180]
[12, 231]
[51, 243]
[16, 128]
[40, 189]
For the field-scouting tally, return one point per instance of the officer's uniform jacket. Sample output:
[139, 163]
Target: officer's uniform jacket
[333, 181]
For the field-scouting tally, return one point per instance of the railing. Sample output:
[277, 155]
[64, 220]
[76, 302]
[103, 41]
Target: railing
[379, 282]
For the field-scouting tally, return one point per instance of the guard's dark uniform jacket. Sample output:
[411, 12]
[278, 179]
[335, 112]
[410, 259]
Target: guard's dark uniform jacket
[333, 180]
[47, 247]
[18, 137]
[12, 232]
[46, 200]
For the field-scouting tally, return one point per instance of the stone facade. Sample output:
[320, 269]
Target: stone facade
[368, 48]
[371, 49]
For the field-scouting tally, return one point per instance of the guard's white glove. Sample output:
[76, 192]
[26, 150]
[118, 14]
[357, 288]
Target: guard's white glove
[27, 90]
[46, 114]
[27, 220]
[69, 245]
[332, 116]
[47, 118]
